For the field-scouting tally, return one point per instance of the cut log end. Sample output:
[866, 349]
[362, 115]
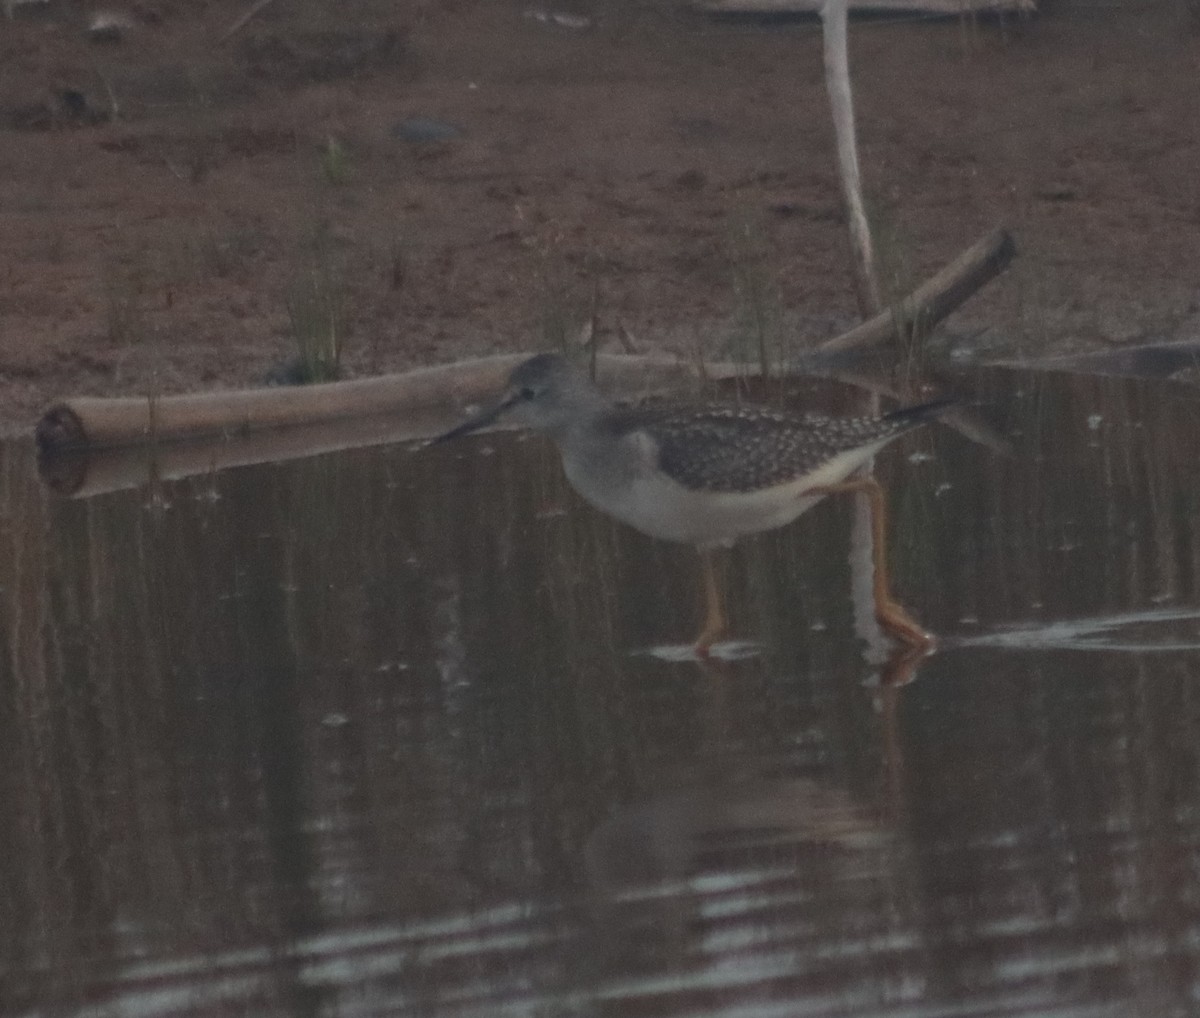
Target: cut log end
[60, 429]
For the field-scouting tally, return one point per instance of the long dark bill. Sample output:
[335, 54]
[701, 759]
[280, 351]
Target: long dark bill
[480, 420]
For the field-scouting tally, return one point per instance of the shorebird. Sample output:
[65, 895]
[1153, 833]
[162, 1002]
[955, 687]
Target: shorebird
[706, 474]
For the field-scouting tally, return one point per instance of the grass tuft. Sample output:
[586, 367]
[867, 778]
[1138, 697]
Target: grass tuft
[316, 309]
[756, 319]
[335, 162]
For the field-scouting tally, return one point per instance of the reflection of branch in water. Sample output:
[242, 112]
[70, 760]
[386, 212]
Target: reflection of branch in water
[726, 650]
[877, 614]
[84, 472]
[1098, 632]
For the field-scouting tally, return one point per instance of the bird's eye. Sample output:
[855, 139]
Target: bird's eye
[527, 393]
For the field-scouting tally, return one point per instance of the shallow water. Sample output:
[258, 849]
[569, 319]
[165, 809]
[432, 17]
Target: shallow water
[404, 731]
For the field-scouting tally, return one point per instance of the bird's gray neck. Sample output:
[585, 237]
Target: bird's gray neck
[595, 456]
[588, 409]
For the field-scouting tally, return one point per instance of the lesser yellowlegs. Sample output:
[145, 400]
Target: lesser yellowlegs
[704, 473]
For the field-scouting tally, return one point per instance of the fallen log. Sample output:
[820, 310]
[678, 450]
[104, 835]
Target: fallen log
[88, 471]
[101, 423]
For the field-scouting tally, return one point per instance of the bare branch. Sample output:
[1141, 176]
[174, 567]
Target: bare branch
[917, 314]
[837, 82]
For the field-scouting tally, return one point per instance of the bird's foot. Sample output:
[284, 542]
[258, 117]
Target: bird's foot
[894, 619]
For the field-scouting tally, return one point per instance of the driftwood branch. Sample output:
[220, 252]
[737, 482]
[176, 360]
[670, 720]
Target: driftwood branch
[837, 83]
[918, 313]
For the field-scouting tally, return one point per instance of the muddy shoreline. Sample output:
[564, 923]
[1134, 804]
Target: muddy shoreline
[672, 174]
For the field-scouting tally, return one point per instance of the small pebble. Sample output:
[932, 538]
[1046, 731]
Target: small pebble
[109, 26]
[563, 19]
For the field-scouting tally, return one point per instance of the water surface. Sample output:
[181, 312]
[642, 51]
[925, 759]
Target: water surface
[393, 732]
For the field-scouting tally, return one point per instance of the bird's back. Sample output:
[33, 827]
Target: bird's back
[721, 448]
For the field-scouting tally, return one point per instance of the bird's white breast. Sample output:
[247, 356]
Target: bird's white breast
[646, 499]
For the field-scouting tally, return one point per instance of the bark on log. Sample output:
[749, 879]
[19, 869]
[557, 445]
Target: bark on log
[104, 423]
[97, 422]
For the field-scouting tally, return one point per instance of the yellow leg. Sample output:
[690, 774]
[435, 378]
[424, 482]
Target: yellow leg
[891, 614]
[714, 616]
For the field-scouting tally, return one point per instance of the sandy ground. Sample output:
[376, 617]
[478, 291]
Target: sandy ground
[166, 197]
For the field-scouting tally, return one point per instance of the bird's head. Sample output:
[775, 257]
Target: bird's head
[546, 393]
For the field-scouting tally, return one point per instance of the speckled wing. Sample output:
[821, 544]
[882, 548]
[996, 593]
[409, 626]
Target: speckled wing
[737, 449]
